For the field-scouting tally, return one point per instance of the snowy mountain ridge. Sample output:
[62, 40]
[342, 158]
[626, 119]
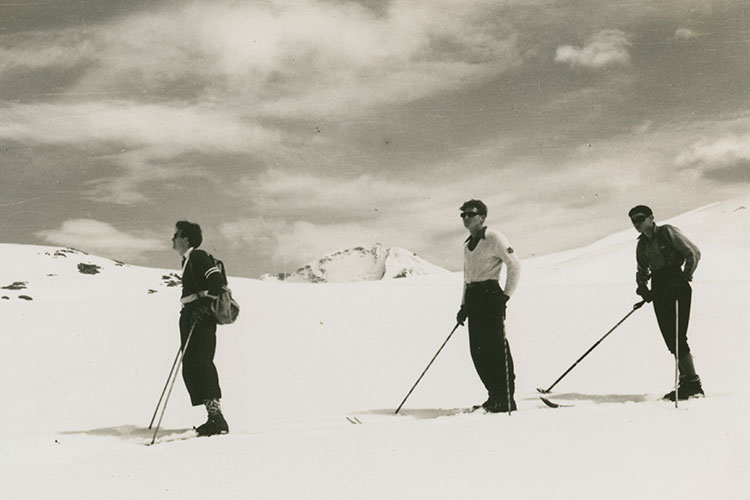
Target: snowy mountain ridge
[360, 264]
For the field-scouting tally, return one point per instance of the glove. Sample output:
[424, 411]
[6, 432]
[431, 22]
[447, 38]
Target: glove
[687, 275]
[462, 315]
[645, 293]
[506, 298]
[202, 311]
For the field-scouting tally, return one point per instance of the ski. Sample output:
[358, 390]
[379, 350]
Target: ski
[552, 404]
[175, 436]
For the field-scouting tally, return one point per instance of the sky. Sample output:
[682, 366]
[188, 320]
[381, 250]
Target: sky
[289, 130]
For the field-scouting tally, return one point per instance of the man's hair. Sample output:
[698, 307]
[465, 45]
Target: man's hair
[479, 205]
[191, 231]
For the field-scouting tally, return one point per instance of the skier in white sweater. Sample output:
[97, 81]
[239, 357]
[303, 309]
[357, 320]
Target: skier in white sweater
[484, 303]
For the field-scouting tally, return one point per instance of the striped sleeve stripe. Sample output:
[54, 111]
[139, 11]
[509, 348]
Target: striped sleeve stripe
[211, 271]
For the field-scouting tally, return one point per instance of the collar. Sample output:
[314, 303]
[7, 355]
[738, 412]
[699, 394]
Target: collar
[481, 235]
[185, 258]
[644, 237]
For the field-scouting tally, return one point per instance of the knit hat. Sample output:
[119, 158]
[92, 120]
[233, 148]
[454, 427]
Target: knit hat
[640, 209]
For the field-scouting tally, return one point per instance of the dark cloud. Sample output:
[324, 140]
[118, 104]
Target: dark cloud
[738, 172]
[31, 15]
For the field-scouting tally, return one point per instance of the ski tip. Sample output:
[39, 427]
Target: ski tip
[549, 403]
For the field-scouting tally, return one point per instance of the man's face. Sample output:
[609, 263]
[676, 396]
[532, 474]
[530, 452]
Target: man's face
[642, 222]
[180, 243]
[472, 219]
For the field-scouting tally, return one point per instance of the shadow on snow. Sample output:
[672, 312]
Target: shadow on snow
[131, 432]
[597, 398]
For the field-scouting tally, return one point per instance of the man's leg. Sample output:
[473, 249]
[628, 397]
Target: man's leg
[481, 353]
[190, 373]
[198, 368]
[664, 307]
[489, 351]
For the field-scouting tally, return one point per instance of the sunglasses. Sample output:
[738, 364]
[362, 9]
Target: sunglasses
[466, 215]
[638, 219]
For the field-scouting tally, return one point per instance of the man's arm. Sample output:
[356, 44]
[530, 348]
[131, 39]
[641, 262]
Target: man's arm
[686, 248]
[509, 257]
[206, 272]
[643, 273]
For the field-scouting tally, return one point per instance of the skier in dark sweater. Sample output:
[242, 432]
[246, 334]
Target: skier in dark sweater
[201, 283]
[666, 257]
[483, 303]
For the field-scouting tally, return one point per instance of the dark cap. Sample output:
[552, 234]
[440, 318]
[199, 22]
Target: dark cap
[640, 209]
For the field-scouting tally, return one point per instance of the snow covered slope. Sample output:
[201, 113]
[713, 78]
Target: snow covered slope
[85, 356]
[361, 264]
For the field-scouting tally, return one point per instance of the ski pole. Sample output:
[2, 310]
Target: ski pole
[635, 306]
[428, 367]
[166, 384]
[676, 353]
[507, 373]
[174, 378]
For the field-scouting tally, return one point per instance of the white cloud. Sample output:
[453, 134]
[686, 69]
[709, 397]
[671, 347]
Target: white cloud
[605, 48]
[293, 229]
[726, 158]
[216, 77]
[101, 239]
[276, 189]
[40, 50]
[717, 152]
[316, 58]
[685, 34]
[297, 243]
[181, 128]
[279, 58]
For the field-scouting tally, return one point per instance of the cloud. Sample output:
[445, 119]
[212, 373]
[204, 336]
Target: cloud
[685, 34]
[136, 169]
[726, 158]
[721, 151]
[228, 78]
[146, 138]
[278, 190]
[297, 243]
[605, 48]
[102, 239]
[303, 216]
[177, 127]
[319, 58]
[278, 58]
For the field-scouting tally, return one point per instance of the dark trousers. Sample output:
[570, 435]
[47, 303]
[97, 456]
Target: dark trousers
[490, 350]
[669, 287]
[198, 369]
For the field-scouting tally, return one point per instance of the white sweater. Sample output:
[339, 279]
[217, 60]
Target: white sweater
[486, 261]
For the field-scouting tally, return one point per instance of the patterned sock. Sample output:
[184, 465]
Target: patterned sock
[213, 406]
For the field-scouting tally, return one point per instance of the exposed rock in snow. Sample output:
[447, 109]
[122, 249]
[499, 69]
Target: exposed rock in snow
[360, 264]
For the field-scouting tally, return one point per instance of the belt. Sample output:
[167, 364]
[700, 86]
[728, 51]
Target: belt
[482, 284]
[195, 296]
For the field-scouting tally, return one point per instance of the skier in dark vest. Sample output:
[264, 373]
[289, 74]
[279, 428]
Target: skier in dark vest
[666, 257]
[484, 303]
[201, 283]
